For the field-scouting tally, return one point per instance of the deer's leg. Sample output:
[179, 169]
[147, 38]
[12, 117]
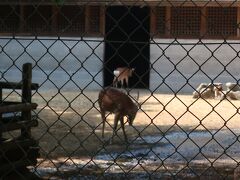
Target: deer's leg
[103, 121]
[116, 118]
[114, 81]
[122, 83]
[126, 82]
[123, 128]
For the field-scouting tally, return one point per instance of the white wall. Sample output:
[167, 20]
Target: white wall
[77, 61]
[80, 58]
[185, 61]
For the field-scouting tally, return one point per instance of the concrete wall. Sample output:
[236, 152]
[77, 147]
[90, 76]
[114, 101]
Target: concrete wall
[69, 64]
[73, 64]
[179, 65]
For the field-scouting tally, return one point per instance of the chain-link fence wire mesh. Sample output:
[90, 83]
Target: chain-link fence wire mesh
[180, 131]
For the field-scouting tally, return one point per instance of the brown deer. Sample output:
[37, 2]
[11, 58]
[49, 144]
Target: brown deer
[117, 102]
[122, 74]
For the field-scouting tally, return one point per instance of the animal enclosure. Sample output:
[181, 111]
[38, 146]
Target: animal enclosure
[178, 105]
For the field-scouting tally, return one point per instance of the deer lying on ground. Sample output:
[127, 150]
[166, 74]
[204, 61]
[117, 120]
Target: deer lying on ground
[218, 89]
[232, 86]
[122, 74]
[204, 91]
[115, 101]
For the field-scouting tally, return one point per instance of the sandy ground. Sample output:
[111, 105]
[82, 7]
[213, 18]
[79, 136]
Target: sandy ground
[70, 124]
[71, 120]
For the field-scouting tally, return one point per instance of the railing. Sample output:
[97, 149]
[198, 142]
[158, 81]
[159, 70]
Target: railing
[21, 151]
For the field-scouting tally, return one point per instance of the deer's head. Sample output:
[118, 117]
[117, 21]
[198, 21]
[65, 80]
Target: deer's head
[133, 111]
[132, 114]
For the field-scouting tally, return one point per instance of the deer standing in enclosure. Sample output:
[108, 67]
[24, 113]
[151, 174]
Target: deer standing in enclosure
[122, 74]
[115, 101]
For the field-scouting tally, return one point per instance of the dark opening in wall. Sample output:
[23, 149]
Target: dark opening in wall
[127, 43]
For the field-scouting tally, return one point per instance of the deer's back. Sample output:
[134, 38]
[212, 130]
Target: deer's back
[113, 100]
[124, 72]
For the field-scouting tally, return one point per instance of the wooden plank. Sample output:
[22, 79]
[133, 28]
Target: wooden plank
[13, 166]
[11, 119]
[18, 107]
[128, 2]
[16, 143]
[18, 150]
[18, 125]
[9, 103]
[15, 152]
[16, 85]
[15, 118]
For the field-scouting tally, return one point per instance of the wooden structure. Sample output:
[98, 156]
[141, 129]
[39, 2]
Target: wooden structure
[169, 18]
[19, 152]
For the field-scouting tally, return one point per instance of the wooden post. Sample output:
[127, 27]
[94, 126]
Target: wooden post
[238, 22]
[153, 28]
[102, 20]
[87, 19]
[22, 18]
[54, 23]
[203, 24]
[168, 21]
[1, 114]
[153, 19]
[26, 96]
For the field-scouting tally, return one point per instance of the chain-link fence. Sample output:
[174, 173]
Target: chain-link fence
[177, 62]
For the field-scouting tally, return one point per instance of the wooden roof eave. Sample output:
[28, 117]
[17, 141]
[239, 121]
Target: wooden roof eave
[171, 3]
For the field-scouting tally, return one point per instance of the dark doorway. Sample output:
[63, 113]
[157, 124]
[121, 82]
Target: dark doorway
[127, 43]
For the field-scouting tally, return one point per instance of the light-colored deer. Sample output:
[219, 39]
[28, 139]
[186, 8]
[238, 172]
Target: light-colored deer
[115, 101]
[204, 91]
[122, 74]
[218, 89]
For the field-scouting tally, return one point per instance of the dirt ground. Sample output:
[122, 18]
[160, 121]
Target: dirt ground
[70, 124]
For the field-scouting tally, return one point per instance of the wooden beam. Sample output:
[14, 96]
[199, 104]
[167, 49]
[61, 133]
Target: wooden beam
[18, 107]
[9, 103]
[18, 125]
[15, 118]
[175, 3]
[15, 143]
[16, 85]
